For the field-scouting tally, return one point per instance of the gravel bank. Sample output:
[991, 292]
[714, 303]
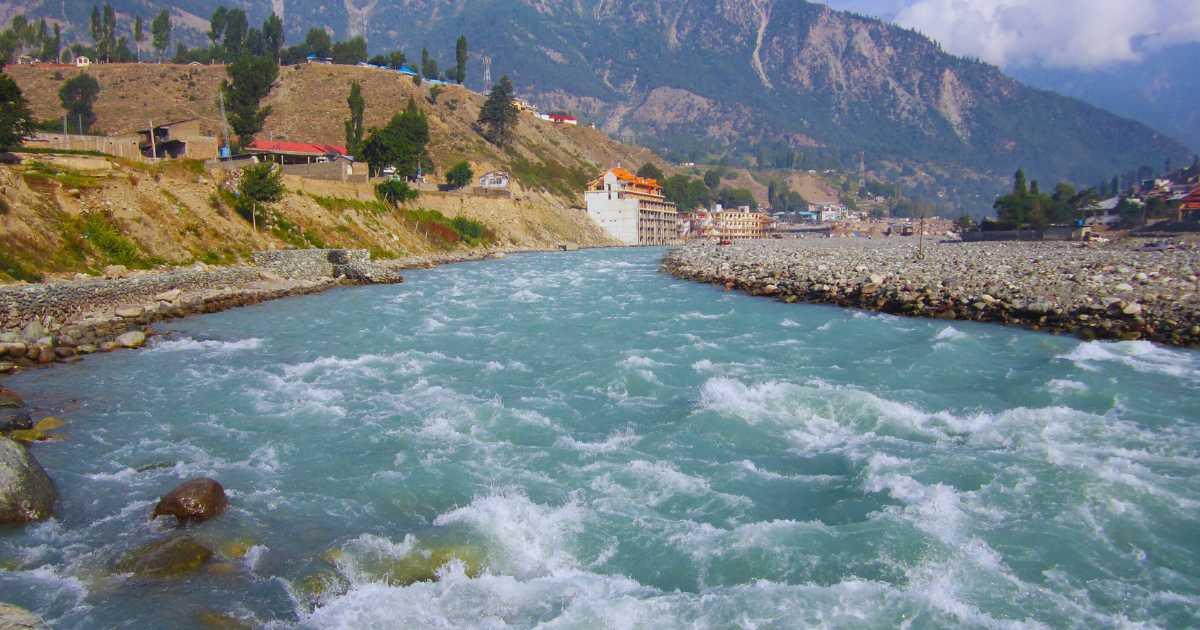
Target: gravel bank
[1113, 291]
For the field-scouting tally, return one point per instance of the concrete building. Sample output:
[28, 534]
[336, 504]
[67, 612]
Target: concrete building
[632, 209]
[742, 224]
[181, 138]
[495, 180]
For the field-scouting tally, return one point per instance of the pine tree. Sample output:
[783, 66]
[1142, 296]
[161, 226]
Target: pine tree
[110, 31]
[499, 116]
[354, 124]
[250, 80]
[1019, 183]
[460, 56]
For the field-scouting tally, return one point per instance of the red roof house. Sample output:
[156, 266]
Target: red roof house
[286, 152]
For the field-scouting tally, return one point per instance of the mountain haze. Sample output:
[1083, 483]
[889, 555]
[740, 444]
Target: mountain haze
[751, 80]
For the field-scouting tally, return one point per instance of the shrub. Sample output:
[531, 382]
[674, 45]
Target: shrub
[395, 192]
[459, 175]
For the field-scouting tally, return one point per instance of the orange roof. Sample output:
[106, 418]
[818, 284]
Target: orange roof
[626, 176]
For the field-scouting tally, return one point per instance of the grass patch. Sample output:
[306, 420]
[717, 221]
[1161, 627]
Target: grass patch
[14, 269]
[213, 257]
[99, 234]
[47, 151]
[40, 176]
[445, 232]
[339, 205]
[378, 253]
[551, 176]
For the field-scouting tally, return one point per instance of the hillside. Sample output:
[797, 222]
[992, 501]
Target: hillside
[752, 80]
[309, 104]
[175, 214]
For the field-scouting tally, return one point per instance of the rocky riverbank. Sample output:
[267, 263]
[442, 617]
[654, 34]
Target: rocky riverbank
[1113, 291]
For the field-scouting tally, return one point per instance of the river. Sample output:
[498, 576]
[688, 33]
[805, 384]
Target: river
[602, 445]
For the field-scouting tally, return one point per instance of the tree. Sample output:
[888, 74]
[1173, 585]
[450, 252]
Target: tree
[651, 171]
[396, 60]
[350, 52]
[77, 96]
[400, 144]
[250, 80]
[216, 25]
[160, 32]
[499, 115]
[273, 34]
[109, 27]
[319, 43]
[236, 30]
[354, 124]
[16, 121]
[460, 57]
[1019, 183]
[139, 35]
[712, 179]
[256, 44]
[97, 29]
[395, 192]
[459, 175]
[736, 197]
[260, 183]
[429, 68]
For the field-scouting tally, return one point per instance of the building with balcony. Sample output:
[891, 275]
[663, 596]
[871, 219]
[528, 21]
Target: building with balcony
[742, 224]
[632, 209]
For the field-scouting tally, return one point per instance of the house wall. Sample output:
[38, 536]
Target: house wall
[616, 216]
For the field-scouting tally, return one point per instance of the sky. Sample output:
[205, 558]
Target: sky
[1080, 34]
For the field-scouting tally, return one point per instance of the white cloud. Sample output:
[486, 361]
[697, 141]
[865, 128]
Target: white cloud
[1059, 33]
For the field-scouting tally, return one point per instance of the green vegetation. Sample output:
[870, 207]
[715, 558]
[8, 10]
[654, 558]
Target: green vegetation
[445, 232]
[459, 175]
[16, 121]
[261, 183]
[650, 170]
[1028, 207]
[460, 57]
[401, 144]
[250, 79]
[499, 116]
[14, 269]
[686, 193]
[26, 37]
[160, 32]
[78, 95]
[550, 176]
[354, 124]
[38, 174]
[98, 233]
[339, 205]
[395, 192]
[736, 197]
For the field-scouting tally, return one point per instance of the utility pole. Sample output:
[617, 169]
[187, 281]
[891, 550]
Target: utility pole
[153, 146]
[224, 124]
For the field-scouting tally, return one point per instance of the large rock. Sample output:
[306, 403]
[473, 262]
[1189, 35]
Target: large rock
[17, 618]
[10, 400]
[26, 492]
[132, 339]
[194, 500]
[32, 332]
[167, 558]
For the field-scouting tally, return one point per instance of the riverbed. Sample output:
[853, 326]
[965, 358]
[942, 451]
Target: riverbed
[604, 445]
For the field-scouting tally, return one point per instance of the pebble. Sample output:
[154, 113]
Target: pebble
[1049, 286]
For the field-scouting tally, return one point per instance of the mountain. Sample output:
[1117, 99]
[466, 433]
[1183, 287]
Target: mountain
[1161, 90]
[776, 82]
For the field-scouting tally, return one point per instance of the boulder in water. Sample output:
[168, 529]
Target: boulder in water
[17, 618]
[194, 501]
[132, 339]
[26, 492]
[167, 558]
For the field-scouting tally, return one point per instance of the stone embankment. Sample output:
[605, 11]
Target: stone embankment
[51, 322]
[1112, 291]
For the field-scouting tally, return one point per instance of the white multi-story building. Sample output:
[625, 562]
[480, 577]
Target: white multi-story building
[632, 209]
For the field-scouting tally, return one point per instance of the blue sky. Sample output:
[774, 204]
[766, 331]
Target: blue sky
[1084, 34]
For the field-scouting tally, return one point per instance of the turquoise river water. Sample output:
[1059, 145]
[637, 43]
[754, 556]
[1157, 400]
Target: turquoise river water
[617, 448]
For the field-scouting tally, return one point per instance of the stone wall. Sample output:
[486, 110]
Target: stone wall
[309, 263]
[66, 301]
